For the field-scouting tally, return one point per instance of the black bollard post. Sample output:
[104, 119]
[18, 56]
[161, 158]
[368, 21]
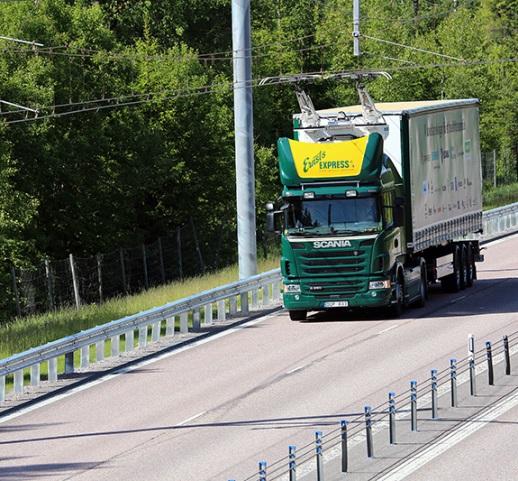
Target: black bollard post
[319, 460]
[507, 356]
[292, 453]
[345, 458]
[490, 372]
[262, 470]
[434, 394]
[368, 431]
[413, 405]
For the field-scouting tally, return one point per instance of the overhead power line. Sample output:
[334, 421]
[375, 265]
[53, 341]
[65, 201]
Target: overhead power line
[57, 111]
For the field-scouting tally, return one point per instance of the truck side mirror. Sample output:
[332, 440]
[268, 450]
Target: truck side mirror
[399, 212]
[270, 217]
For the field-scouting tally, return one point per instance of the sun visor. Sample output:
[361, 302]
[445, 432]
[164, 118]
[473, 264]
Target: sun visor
[356, 160]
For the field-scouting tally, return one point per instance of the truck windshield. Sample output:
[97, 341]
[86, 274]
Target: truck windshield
[334, 216]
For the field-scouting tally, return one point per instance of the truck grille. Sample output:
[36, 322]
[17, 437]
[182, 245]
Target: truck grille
[336, 262]
[334, 288]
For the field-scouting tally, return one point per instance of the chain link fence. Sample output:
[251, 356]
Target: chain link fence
[75, 281]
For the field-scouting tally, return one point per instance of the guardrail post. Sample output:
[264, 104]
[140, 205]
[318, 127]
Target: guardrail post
[169, 326]
[254, 299]
[490, 372]
[155, 331]
[232, 306]
[129, 339]
[221, 311]
[276, 292]
[2, 389]
[453, 382]
[35, 374]
[18, 382]
[507, 356]
[142, 336]
[472, 371]
[115, 346]
[345, 456]
[99, 351]
[207, 318]
[413, 405]
[196, 324]
[434, 394]
[368, 431]
[392, 417]
[184, 323]
[292, 462]
[318, 453]
[53, 369]
[84, 357]
[245, 310]
[69, 362]
[262, 470]
[266, 295]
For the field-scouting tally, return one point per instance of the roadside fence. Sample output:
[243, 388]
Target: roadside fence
[398, 406]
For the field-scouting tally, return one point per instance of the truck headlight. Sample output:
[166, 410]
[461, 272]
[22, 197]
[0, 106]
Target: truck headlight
[380, 284]
[291, 288]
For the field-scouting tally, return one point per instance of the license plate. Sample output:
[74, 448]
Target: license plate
[336, 304]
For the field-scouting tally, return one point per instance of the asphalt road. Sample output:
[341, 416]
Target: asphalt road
[212, 412]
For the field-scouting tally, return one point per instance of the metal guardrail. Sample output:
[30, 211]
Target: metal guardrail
[233, 299]
[198, 308]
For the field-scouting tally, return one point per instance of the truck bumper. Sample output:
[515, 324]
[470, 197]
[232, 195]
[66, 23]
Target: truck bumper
[371, 298]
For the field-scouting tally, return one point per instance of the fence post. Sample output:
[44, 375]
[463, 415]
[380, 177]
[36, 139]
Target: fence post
[318, 453]
[50, 290]
[144, 264]
[99, 259]
[494, 167]
[345, 457]
[123, 270]
[292, 462]
[472, 372]
[434, 393]
[368, 431]
[197, 244]
[161, 256]
[179, 249]
[490, 373]
[74, 281]
[413, 405]
[453, 382]
[507, 356]
[16, 293]
[392, 417]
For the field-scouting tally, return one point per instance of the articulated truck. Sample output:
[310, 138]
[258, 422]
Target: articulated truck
[379, 201]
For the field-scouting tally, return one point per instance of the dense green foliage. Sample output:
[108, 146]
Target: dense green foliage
[113, 175]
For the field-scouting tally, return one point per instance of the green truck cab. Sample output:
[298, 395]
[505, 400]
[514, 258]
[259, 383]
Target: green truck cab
[367, 216]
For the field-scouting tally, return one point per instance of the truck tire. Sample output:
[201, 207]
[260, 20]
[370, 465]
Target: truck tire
[452, 282]
[298, 315]
[395, 310]
[470, 265]
[423, 288]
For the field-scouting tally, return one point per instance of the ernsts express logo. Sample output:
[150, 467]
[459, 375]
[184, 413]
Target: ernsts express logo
[331, 243]
[309, 163]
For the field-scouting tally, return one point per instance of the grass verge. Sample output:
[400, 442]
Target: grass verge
[499, 196]
[22, 334]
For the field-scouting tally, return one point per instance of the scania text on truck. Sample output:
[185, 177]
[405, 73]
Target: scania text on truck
[378, 201]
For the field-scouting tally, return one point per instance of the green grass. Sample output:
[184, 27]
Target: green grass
[22, 334]
[501, 195]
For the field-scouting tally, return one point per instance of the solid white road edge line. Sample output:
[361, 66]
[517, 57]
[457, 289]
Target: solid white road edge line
[192, 418]
[138, 365]
[456, 436]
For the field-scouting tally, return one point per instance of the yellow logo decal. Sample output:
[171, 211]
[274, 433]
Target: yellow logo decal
[319, 160]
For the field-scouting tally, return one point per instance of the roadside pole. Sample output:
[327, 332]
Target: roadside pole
[243, 124]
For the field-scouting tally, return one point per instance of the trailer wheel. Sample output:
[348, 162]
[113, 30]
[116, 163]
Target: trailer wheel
[470, 265]
[298, 315]
[452, 283]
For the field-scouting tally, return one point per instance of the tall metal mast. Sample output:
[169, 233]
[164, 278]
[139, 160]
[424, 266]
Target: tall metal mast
[243, 123]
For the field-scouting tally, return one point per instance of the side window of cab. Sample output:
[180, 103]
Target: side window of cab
[388, 208]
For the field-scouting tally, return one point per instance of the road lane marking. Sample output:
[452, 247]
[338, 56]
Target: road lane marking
[388, 329]
[133, 367]
[456, 436]
[192, 418]
[291, 371]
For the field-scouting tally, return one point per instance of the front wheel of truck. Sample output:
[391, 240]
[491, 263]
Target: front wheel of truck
[298, 315]
[396, 308]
